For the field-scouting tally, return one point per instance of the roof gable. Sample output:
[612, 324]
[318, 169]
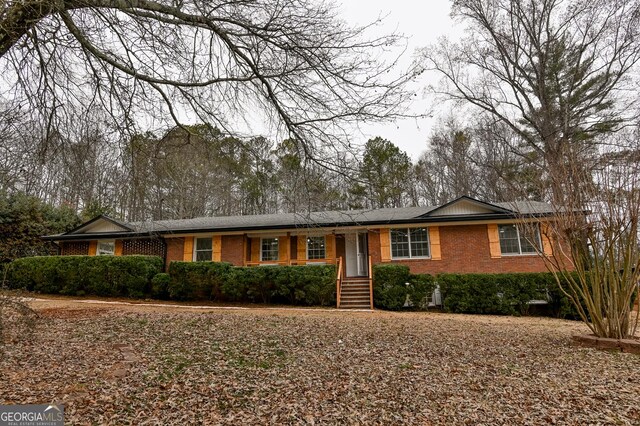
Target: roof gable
[100, 224]
[466, 206]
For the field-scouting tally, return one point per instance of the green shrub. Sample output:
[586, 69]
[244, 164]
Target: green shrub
[319, 285]
[122, 276]
[160, 286]
[560, 305]
[296, 285]
[394, 286]
[259, 282]
[421, 288]
[503, 293]
[198, 280]
[306, 285]
[234, 288]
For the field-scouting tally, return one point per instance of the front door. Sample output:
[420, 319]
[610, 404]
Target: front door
[356, 254]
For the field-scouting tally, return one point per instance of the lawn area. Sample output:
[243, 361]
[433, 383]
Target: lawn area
[136, 365]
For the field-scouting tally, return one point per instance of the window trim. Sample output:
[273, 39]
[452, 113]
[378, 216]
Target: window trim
[536, 251]
[324, 239]
[410, 257]
[262, 252]
[195, 249]
[113, 253]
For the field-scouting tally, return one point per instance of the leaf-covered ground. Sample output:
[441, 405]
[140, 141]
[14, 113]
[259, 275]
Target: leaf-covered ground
[123, 365]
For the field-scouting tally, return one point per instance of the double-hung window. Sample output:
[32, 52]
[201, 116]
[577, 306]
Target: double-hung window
[269, 249]
[316, 248]
[106, 248]
[519, 239]
[407, 243]
[204, 249]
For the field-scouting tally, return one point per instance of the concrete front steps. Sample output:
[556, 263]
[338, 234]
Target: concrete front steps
[354, 293]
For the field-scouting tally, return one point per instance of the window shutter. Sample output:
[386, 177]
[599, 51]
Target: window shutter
[188, 249]
[93, 248]
[255, 249]
[545, 236]
[385, 245]
[434, 242]
[117, 251]
[494, 241]
[330, 246]
[302, 247]
[216, 244]
[284, 248]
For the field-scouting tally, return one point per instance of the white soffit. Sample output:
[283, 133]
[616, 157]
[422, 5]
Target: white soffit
[99, 226]
[462, 208]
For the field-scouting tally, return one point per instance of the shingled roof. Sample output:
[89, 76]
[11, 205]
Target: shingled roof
[407, 215]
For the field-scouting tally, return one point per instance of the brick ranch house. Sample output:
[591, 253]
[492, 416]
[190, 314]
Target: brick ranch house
[463, 236]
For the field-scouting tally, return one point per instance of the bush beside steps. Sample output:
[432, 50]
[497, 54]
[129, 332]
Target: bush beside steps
[500, 294]
[292, 285]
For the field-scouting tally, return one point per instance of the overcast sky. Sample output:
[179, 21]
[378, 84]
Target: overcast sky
[422, 22]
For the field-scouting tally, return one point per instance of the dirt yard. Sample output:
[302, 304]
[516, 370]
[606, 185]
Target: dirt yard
[133, 364]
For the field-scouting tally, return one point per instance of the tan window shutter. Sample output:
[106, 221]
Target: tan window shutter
[216, 243]
[330, 249]
[385, 245]
[545, 236]
[188, 249]
[255, 249]
[434, 240]
[494, 241]
[93, 248]
[284, 248]
[302, 247]
[118, 248]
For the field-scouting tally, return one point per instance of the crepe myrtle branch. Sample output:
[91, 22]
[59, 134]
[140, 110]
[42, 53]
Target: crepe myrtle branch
[293, 61]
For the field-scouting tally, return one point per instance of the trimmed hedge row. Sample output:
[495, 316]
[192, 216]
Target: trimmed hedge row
[141, 276]
[394, 287]
[506, 294]
[117, 276]
[297, 285]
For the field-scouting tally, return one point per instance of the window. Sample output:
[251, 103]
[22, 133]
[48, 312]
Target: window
[106, 248]
[269, 249]
[519, 240]
[409, 243]
[316, 248]
[204, 249]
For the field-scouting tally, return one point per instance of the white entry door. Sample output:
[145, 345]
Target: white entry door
[356, 254]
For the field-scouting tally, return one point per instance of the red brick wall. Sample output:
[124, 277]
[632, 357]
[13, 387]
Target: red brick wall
[175, 250]
[465, 249]
[233, 249]
[374, 246]
[74, 248]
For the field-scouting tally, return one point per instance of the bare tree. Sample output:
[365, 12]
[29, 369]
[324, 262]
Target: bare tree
[553, 71]
[600, 241]
[448, 170]
[294, 63]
